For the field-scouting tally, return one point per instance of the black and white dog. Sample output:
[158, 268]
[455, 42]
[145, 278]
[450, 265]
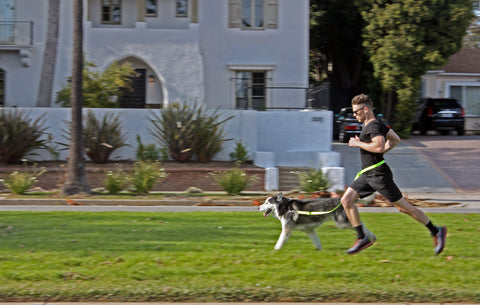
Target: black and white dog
[306, 215]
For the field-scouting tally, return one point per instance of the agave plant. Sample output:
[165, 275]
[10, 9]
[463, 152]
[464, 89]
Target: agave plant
[174, 128]
[19, 136]
[101, 136]
[209, 136]
[187, 130]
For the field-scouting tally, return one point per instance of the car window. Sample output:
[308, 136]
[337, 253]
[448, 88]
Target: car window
[441, 104]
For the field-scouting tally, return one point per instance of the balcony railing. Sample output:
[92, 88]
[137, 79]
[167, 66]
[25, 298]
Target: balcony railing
[16, 33]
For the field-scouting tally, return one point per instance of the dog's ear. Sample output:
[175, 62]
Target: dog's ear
[279, 196]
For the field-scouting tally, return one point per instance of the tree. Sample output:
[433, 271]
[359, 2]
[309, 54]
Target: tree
[76, 180]
[405, 38]
[336, 51]
[101, 89]
[49, 56]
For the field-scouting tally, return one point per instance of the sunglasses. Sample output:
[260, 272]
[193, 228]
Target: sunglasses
[356, 111]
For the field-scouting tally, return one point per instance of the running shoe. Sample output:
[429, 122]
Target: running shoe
[439, 240]
[359, 245]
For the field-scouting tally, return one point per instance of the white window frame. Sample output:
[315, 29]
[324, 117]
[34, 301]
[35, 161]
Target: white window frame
[110, 13]
[147, 14]
[270, 15]
[187, 7]
[268, 69]
[252, 15]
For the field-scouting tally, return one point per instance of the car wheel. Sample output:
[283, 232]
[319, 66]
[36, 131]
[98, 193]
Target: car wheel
[461, 131]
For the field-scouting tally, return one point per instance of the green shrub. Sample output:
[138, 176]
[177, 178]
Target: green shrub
[20, 182]
[187, 130]
[314, 180]
[101, 89]
[146, 174]
[116, 180]
[234, 181]
[146, 152]
[19, 136]
[240, 154]
[101, 136]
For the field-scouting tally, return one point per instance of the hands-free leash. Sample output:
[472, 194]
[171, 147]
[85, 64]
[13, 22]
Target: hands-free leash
[358, 175]
[319, 213]
[366, 169]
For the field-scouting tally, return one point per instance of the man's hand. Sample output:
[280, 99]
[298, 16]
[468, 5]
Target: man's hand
[354, 142]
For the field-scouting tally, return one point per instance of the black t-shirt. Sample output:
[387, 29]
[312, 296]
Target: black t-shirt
[373, 129]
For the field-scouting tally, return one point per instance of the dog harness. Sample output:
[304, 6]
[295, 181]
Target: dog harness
[320, 212]
[366, 169]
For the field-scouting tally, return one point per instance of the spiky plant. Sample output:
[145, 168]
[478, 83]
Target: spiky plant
[188, 130]
[174, 128]
[101, 136]
[19, 136]
[209, 136]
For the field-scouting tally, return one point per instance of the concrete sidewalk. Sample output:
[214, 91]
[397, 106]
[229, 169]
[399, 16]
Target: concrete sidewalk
[229, 303]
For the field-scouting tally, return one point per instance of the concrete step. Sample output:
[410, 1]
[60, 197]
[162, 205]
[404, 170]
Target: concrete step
[288, 179]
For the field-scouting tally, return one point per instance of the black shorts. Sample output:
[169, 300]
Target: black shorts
[379, 179]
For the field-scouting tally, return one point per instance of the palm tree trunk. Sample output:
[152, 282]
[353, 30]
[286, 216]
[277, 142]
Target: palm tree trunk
[49, 56]
[76, 181]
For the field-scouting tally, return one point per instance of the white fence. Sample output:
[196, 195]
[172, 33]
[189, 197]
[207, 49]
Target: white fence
[272, 138]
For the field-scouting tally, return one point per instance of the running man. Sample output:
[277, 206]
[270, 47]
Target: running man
[375, 140]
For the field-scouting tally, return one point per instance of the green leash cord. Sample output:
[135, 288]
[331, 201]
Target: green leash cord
[369, 168]
[358, 175]
[318, 213]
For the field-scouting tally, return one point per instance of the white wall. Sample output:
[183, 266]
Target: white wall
[284, 50]
[279, 132]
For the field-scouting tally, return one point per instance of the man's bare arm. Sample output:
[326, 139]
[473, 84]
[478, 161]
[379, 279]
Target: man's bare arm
[376, 146]
[392, 140]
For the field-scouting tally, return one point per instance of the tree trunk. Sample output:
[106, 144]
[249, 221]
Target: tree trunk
[49, 56]
[76, 181]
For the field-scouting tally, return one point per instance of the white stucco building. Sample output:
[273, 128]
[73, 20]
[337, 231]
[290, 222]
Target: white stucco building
[225, 53]
[235, 55]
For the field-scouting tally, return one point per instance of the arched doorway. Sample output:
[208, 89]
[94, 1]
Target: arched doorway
[146, 91]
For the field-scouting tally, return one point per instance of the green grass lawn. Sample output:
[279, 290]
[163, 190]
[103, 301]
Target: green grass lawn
[228, 256]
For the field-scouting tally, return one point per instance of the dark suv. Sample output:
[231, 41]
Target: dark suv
[441, 114]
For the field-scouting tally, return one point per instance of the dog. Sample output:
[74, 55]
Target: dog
[291, 213]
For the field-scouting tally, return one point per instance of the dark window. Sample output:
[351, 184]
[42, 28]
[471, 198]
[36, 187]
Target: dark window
[250, 90]
[151, 8]
[111, 11]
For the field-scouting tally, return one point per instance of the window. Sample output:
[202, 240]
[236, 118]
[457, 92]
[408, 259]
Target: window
[182, 8]
[151, 8]
[253, 14]
[111, 11]
[250, 90]
[469, 97]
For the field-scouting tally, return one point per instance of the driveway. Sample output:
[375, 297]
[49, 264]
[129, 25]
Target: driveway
[456, 158]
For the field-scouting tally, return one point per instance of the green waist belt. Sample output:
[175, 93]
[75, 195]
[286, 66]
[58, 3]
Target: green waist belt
[366, 169]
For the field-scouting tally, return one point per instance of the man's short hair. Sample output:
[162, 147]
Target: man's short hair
[362, 99]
